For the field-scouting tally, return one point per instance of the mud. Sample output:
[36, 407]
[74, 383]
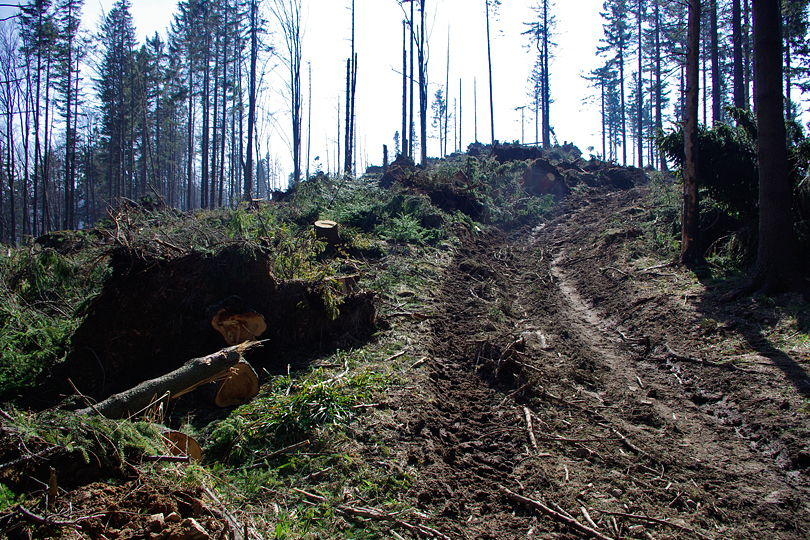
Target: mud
[637, 419]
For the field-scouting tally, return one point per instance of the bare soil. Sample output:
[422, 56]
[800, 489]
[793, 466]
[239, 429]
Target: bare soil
[656, 410]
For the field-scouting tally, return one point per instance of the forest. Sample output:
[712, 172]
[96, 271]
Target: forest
[407, 337]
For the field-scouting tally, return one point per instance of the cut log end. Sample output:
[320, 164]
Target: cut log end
[180, 444]
[236, 328]
[327, 231]
[240, 386]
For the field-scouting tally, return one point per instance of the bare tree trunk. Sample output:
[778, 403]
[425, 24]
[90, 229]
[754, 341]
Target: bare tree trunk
[737, 53]
[423, 92]
[254, 49]
[403, 135]
[411, 127]
[776, 265]
[689, 229]
[639, 87]
[489, 66]
[717, 95]
[188, 376]
[309, 118]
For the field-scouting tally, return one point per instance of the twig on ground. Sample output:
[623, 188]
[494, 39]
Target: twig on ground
[280, 451]
[660, 521]
[233, 523]
[84, 398]
[587, 517]
[375, 514]
[571, 522]
[528, 414]
[421, 316]
[167, 459]
[657, 267]
[394, 357]
[40, 520]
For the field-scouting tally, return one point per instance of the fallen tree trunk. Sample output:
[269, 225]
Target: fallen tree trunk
[180, 381]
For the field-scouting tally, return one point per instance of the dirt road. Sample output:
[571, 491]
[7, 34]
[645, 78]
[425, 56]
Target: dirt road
[562, 373]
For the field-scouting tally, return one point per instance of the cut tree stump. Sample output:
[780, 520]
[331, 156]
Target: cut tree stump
[186, 378]
[240, 385]
[327, 231]
[237, 328]
[180, 444]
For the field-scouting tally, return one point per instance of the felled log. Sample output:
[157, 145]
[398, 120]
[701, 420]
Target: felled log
[239, 386]
[237, 328]
[190, 375]
[327, 231]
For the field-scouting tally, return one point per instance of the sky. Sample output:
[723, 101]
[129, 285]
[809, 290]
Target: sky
[326, 46]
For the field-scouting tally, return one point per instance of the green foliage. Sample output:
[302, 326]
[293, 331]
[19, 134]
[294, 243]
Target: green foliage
[727, 168]
[8, 498]
[406, 229]
[108, 443]
[42, 294]
[287, 411]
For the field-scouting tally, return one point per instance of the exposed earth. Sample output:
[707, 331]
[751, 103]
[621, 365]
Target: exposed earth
[626, 398]
[565, 386]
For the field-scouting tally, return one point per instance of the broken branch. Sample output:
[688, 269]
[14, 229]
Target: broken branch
[571, 522]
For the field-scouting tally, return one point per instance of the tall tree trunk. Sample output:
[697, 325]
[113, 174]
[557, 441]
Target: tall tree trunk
[205, 137]
[776, 265]
[404, 136]
[423, 91]
[659, 90]
[347, 143]
[639, 86]
[546, 80]
[190, 141]
[309, 117]
[489, 65]
[747, 76]
[717, 94]
[623, 107]
[446, 94]
[689, 232]
[254, 50]
[788, 80]
[737, 55]
[411, 128]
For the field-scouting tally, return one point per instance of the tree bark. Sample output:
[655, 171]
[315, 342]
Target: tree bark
[717, 99]
[189, 375]
[689, 228]
[254, 50]
[737, 55]
[489, 64]
[775, 269]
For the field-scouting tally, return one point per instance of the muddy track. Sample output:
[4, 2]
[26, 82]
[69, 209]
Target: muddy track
[528, 329]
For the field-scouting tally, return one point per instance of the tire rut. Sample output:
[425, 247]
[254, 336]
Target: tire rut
[513, 337]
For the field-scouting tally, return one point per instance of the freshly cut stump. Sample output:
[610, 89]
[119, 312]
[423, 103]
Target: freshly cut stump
[327, 231]
[180, 444]
[239, 386]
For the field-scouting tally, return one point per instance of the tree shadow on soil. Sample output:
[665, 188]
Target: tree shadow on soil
[751, 317]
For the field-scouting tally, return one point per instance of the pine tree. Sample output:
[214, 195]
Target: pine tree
[617, 39]
[115, 91]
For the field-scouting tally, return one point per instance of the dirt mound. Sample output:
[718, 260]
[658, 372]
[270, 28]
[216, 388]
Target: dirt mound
[624, 177]
[154, 314]
[543, 178]
[398, 171]
[130, 510]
